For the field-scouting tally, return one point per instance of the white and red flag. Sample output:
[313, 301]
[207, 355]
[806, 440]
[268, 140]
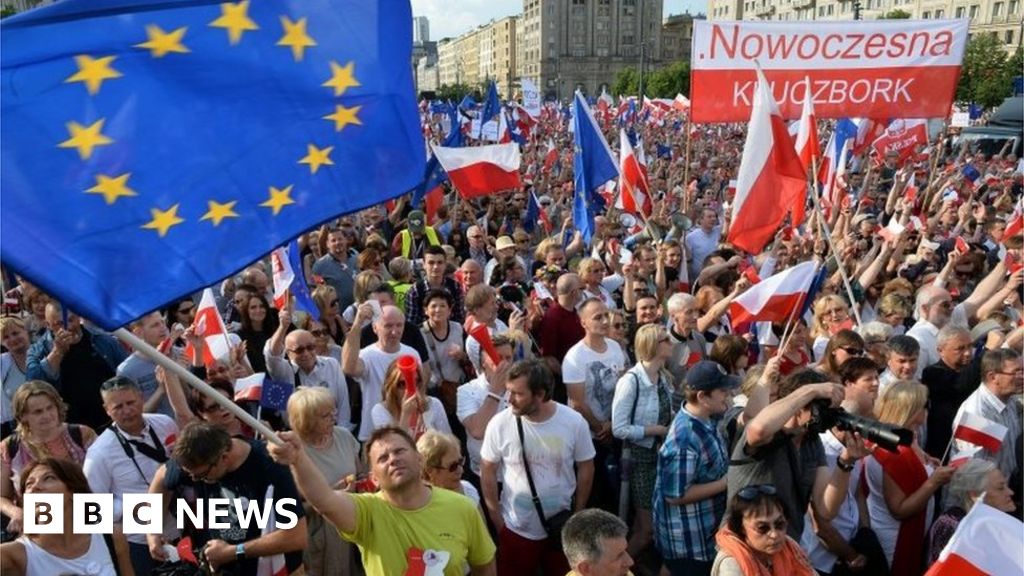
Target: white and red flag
[632, 196]
[551, 156]
[250, 387]
[481, 170]
[979, 431]
[986, 543]
[774, 299]
[210, 326]
[807, 146]
[275, 564]
[903, 138]
[681, 103]
[771, 178]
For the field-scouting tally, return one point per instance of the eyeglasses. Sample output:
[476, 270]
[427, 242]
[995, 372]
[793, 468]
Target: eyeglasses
[118, 383]
[852, 351]
[618, 325]
[206, 473]
[301, 349]
[764, 528]
[753, 491]
[214, 407]
[454, 466]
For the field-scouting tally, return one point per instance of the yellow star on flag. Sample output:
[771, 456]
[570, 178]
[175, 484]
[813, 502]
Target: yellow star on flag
[93, 71]
[161, 43]
[163, 220]
[317, 157]
[295, 37]
[342, 77]
[112, 188]
[344, 116]
[235, 19]
[218, 212]
[279, 198]
[85, 138]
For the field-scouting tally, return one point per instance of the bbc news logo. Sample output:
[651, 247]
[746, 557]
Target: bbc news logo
[144, 513]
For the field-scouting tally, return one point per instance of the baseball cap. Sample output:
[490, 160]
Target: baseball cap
[416, 221]
[708, 375]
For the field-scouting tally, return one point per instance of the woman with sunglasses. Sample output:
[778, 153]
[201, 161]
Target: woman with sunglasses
[831, 314]
[322, 339]
[328, 305]
[443, 464]
[753, 540]
[416, 414]
[311, 413]
[844, 345]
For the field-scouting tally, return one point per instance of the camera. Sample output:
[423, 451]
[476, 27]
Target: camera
[825, 417]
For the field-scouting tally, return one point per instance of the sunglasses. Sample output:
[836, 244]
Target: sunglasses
[454, 466]
[751, 492]
[852, 351]
[301, 349]
[764, 528]
[618, 325]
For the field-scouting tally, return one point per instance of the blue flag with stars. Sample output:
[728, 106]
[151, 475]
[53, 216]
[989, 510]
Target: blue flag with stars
[154, 148]
[593, 166]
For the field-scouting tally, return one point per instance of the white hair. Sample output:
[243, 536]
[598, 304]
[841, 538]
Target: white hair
[677, 301]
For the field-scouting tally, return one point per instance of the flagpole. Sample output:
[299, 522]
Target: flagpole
[686, 163]
[228, 404]
[842, 271]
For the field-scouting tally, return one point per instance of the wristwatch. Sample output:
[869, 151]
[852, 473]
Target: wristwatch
[844, 467]
[240, 551]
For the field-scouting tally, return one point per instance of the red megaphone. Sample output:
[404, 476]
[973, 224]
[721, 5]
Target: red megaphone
[479, 332]
[407, 366]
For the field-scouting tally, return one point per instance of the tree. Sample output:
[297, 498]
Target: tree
[669, 81]
[456, 92]
[626, 82]
[895, 15]
[987, 71]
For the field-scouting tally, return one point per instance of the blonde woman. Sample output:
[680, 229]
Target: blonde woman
[831, 314]
[443, 464]
[326, 299]
[336, 454]
[902, 485]
[365, 283]
[41, 433]
[416, 414]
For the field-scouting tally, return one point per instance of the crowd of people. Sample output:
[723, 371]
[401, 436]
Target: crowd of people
[478, 393]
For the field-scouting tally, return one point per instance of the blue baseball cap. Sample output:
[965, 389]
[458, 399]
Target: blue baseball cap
[708, 375]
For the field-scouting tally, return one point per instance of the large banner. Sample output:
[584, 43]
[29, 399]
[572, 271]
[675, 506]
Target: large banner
[878, 69]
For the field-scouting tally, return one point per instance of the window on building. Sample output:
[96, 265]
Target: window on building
[960, 11]
[579, 2]
[997, 9]
[627, 39]
[940, 14]
[830, 9]
[926, 14]
[1013, 7]
[974, 11]
[1008, 37]
[821, 10]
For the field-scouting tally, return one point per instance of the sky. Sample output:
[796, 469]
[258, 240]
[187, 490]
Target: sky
[449, 19]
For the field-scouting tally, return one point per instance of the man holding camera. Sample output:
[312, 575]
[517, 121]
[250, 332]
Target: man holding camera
[775, 448]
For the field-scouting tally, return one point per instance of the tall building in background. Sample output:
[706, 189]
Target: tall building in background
[583, 44]
[488, 52]
[1001, 18]
[420, 29]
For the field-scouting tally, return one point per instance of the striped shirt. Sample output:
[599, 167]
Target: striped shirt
[693, 453]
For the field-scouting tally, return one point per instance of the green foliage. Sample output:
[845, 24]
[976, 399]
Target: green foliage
[8, 10]
[987, 71]
[662, 83]
[456, 92]
[895, 15]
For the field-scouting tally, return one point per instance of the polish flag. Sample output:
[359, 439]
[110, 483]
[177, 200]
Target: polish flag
[807, 146]
[210, 326]
[962, 456]
[1015, 225]
[771, 178]
[275, 564]
[868, 131]
[891, 231]
[986, 543]
[632, 198]
[250, 387]
[481, 170]
[283, 276]
[681, 103]
[902, 137]
[979, 431]
[774, 299]
[550, 157]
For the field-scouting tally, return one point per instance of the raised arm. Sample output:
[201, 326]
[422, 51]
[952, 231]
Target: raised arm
[336, 506]
[351, 364]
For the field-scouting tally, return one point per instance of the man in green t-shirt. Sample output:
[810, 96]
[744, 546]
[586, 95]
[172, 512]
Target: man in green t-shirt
[409, 527]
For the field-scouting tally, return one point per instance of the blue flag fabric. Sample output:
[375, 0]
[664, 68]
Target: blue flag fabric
[664, 151]
[532, 214]
[593, 166]
[153, 148]
[970, 173]
[274, 395]
[468, 103]
[434, 174]
[492, 105]
[299, 288]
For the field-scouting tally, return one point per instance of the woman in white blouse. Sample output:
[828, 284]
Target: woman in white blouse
[417, 413]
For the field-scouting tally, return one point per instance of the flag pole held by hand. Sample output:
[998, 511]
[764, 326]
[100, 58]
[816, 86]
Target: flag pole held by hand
[228, 404]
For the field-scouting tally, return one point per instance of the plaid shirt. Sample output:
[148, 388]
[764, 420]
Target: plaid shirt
[416, 314]
[693, 453]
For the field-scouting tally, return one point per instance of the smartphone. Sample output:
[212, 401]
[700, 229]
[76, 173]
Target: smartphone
[377, 312]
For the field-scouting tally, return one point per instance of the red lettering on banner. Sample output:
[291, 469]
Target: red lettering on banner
[830, 39]
[944, 44]
[809, 46]
[851, 52]
[874, 45]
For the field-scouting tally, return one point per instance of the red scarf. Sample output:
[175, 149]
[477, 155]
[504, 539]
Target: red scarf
[907, 471]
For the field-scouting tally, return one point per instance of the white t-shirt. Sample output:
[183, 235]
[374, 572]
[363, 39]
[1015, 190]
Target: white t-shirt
[468, 401]
[434, 417]
[371, 381]
[598, 371]
[553, 446]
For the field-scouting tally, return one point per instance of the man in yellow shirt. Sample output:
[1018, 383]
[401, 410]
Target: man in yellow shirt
[594, 542]
[408, 528]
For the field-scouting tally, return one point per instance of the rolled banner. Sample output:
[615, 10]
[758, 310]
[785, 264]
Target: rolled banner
[479, 332]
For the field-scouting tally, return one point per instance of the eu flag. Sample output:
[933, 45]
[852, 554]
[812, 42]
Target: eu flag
[593, 166]
[153, 148]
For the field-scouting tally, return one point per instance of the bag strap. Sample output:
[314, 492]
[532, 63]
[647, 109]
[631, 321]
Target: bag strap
[529, 478]
[636, 398]
[428, 335]
[75, 431]
[108, 539]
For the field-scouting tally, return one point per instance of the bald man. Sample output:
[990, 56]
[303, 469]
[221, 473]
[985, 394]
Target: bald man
[305, 368]
[369, 365]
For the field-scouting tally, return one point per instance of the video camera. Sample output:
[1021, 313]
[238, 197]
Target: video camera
[825, 417]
